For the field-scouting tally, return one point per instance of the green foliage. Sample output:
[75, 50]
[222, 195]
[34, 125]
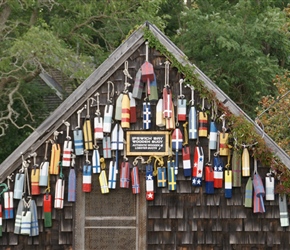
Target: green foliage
[239, 46]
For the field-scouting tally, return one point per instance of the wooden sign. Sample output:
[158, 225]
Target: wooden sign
[147, 143]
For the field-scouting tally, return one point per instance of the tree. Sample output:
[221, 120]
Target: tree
[73, 37]
[274, 113]
[241, 45]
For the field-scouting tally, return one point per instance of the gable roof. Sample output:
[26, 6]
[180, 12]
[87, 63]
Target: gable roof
[100, 76]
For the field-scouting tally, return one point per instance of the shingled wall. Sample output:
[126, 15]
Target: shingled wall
[183, 219]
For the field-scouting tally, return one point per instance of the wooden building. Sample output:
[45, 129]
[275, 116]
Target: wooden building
[184, 218]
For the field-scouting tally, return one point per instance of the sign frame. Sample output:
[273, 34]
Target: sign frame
[138, 133]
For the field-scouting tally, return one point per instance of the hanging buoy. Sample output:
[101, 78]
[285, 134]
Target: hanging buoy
[117, 139]
[87, 175]
[245, 162]
[283, 209]
[138, 85]
[236, 168]
[8, 205]
[149, 183]
[171, 176]
[55, 155]
[87, 129]
[34, 176]
[44, 168]
[67, 148]
[270, 187]
[197, 169]
[118, 107]
[181, 104]
[169, 123]
[218, 167]
[96, 161]
[186, 153]
[59, 190]
[249, 193]
[125, 114]
[209, 179]
[18, 185]
[125, 175]
[153, 90]
[1, 218]
[107, 153]
[160, 121]
[133, 115]
[177, 140]
[103, 178]
[98, 121]
[161, 177]
[18, 218]
[78, 135]
[108, 112]
[167, 94]
[192, 120]
[112, 175]
[135, 180]
[72, 182]
[34, 219]
[202, 124]
[47, 206]
[146, 115]
[25, 225]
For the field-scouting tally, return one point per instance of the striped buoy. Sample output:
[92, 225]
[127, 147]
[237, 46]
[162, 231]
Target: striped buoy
[135, 180]
[47, 205]
[118, 107]
[133, 111]
[160, 121]
[112, 175]
[169, 123]
[177, 140]
[117, 138]
[125, 175]
[213, 136]
[153, 90]
[186, 163]
[249, 193]
[197, 169]
[149, 183]
[125, 114]
[98, 128]
[59, 193]
[138, 85]
[283, 209]
[270, 187]
[25, 225]
[202, 124]
[87, 129]
[34, 231]
[171, 176]
[167, 102]
[67, 148]
[147, 115]
[245, 163]
[181, 104]
[223, 140]
[107, 153]
[87, 178]
[18, 218]
[228, 183]
[54, 159]
[34, 176]
[161, 177]
[96, 165]
[209, 179]
[218, 173]
[78, 135]
[192, 123]
[103, 178]
[8, 205]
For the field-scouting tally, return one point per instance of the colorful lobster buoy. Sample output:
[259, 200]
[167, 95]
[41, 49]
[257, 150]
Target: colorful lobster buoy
[133, 115]
[25, 225]
[192, 121]
[125, 115]
[135, 180]
[108, 111]
[245, 162]
[249, 193]
[283, 209]
[107, 153]
[59, 191]
[103, 178]
[160, 120]
[78, 135]
[98, 121]
[87, 129]
[47, 209]
[181, 104]
[177, 140]
[161, 177]
[186, 163]
[44, 168]
[228, 180]
[153, 90]
[138, 85]
[202, 122]
[236, 168]
[147, 116]
[87, 175]
[149, 183]
[112, 174]
[218, 167]
[18, 218]
[34, 231]
[270, 187]
[125, 174]
[171, 175]
[55, 155]
[72, 182]
[197, 169]
[67, 148]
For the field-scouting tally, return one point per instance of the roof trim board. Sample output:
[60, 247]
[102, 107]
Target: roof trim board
[99, 77]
